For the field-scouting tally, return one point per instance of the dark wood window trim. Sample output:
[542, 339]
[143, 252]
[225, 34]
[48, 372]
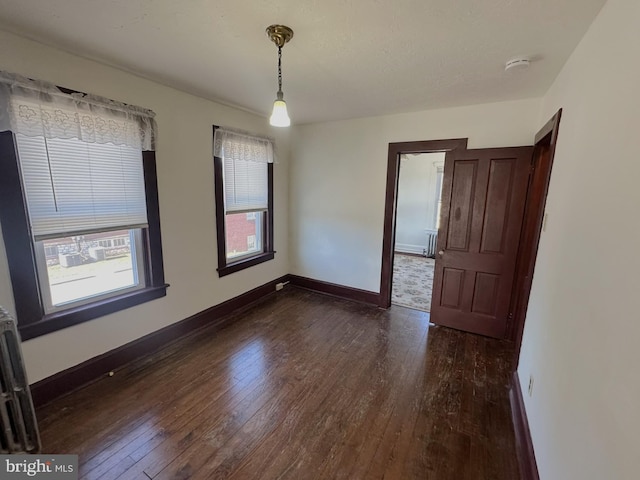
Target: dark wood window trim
[227, 268]
[391, 197]
[32, 321]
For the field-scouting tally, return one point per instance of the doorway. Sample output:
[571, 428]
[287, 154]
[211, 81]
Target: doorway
[396, 151]
[417, 220]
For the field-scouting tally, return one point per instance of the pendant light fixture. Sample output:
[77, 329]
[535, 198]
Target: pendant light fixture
[279, 34]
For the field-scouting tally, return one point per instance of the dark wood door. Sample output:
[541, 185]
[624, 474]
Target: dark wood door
[483, 197]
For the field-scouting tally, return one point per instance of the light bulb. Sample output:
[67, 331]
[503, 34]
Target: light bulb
[279, 117]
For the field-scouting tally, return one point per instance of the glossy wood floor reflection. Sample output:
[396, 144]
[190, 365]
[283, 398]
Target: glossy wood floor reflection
[301, 386]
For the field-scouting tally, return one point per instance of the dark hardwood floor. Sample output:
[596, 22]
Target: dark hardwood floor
[301, 386]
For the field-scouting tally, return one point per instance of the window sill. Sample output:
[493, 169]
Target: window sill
[59, 320]
[245, 263]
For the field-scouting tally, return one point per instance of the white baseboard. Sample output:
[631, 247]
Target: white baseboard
[405, 248]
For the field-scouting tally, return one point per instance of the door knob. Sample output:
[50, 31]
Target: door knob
[441, 252]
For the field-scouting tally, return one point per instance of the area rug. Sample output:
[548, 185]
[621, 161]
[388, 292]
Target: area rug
[412, 281]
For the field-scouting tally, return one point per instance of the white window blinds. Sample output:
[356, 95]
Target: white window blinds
[245, 172]
[80, 157]
[245, 186]
[73, 187]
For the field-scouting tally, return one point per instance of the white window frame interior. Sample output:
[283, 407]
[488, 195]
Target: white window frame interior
[137, 262]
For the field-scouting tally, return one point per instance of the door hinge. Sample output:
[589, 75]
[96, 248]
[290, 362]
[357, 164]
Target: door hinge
[510, 316]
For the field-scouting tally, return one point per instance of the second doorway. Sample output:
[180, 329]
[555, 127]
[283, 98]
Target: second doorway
[417, 221]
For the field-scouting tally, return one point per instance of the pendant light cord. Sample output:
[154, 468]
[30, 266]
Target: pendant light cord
[279, 69]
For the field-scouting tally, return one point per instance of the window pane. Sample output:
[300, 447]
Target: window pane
[244, 234]
[83, 267]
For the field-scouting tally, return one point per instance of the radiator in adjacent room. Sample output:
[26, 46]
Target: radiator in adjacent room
[19, 428]
[432, 240]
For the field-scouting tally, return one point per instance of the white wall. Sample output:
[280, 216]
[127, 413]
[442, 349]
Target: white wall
[582, 329]
[416, 203]
[185, 181]
[338, 173]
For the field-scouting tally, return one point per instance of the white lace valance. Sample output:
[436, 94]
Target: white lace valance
[237, 145]
[40, 109]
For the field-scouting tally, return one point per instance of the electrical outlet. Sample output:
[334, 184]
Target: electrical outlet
[530, 385]
[279, 286]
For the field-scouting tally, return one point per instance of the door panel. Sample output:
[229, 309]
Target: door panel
[485, 294]
[483, 198]
[461, 203]
[452, 287]
[498, 199]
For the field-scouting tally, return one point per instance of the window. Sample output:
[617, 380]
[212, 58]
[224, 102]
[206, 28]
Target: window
[120, 242]
[88, 269]
[439, 177]
[243, 166]
[251, 242]
[79, 211]
[51, 251]
[239, 230]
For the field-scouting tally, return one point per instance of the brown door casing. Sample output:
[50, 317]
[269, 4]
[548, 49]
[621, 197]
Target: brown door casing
[544, 151]
[483, 199]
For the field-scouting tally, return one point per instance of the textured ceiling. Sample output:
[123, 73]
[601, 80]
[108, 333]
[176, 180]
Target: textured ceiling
[348, 58]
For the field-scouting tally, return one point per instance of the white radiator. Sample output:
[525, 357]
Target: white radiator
[19, 429]
[432, 240]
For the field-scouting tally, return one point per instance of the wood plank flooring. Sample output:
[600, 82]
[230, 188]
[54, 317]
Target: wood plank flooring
[301, 386]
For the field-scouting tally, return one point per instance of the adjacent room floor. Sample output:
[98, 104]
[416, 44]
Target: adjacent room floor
[412, 281]
[300, 386]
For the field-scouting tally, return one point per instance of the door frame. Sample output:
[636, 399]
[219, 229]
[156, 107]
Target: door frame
[542, 163]
[391, 202]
